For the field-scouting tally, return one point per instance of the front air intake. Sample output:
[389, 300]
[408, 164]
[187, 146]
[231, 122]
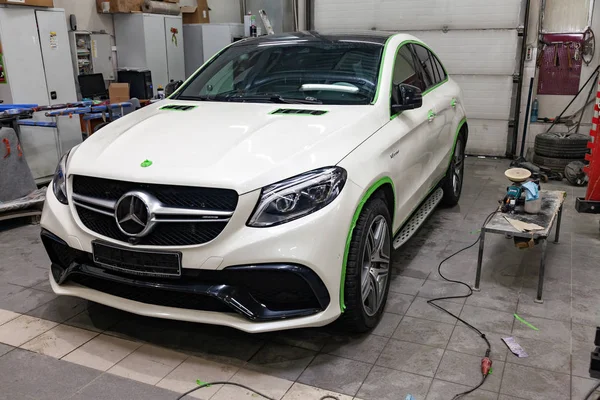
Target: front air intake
[175, 107]
[292, 111]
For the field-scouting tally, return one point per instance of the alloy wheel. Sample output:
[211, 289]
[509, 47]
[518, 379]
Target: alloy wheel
[375, 265]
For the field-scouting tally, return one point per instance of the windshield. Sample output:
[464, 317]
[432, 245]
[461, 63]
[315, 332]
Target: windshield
[319, 72]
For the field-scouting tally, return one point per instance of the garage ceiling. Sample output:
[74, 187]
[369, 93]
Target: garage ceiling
[477, 41]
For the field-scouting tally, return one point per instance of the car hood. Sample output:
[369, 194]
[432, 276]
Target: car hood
[240, 146]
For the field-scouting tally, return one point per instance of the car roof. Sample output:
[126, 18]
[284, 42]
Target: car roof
[372, 37]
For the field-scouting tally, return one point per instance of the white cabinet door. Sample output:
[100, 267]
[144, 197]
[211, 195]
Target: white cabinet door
[27, 84]
[156, 50]
[56, 55]
[174, 43]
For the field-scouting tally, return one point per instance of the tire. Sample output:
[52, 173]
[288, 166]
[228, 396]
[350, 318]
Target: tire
[555, 164]
[453, 182]
[558, 146]
[364, 312]
[575, 175]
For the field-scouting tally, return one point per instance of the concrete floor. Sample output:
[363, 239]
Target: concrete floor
[66, 348]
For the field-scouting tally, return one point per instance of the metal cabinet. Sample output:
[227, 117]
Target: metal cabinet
[37, 64]
[202, 41]
[92, 54]
[175, 45]
[151, 41]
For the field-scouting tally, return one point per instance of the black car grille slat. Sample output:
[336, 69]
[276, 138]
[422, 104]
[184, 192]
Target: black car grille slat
[152, 296]
[164, 233]
[175, 107]
[170, 196]
[294, 111]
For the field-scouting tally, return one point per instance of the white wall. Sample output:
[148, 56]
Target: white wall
[225, 11]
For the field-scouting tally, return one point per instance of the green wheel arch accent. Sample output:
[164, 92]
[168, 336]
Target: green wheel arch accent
[458, 129]
[363, 201]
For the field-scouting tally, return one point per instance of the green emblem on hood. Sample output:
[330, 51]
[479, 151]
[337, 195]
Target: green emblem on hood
[146, 163]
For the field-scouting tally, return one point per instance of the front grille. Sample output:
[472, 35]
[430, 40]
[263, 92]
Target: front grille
[164, 233]
[170, 196]
[152, 296]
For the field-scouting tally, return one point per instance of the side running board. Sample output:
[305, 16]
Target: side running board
[417, 219]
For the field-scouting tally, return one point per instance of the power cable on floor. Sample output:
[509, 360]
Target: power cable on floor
[207, 384]
[486, 362]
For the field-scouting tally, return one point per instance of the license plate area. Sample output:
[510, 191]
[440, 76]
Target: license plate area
[137, 262]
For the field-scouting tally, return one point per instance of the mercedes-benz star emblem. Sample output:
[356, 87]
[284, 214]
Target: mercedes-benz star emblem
[132, 215]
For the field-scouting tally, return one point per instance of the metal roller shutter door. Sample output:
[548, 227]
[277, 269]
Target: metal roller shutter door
[477, 41]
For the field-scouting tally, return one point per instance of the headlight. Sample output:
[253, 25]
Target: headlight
[59, 182]
[298, 196]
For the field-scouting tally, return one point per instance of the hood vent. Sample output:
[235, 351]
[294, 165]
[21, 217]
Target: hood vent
[175, 107]
[291, 111]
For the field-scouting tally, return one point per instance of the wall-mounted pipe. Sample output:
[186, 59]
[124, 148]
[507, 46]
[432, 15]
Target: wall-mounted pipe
[309, 18]
[243, 9]
[513, 150]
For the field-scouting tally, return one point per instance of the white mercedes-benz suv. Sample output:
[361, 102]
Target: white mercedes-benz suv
[268, 191]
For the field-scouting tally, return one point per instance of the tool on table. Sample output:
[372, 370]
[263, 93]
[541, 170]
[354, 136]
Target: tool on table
[515, 192]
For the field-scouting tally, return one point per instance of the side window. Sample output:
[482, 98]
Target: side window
[440, 68]
[404, 69]
[428, 66]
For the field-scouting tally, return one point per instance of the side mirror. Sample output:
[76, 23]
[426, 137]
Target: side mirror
[172, 87]
[406, 97]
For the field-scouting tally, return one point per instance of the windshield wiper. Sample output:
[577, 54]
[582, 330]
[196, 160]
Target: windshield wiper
[274, 98]
[204, 97]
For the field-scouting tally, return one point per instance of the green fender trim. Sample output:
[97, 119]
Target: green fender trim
[359, 208]
[459, 127]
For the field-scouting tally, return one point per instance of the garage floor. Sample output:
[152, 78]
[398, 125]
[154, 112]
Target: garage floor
[415, 350]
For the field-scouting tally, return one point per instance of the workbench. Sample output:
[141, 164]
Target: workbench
[549, 215]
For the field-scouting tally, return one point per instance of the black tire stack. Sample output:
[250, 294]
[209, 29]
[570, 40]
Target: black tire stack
[557, 150]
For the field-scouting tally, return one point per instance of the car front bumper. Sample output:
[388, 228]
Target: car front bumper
[220, 279]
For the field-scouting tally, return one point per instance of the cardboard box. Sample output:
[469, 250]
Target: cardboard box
[118, 92]
[196, 15]
[120, 6]
[38, 3]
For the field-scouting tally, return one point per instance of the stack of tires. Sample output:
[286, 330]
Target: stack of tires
[556, 150]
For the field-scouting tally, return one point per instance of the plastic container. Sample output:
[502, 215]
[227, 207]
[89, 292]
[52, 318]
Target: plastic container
[534, 110]
[533, 206]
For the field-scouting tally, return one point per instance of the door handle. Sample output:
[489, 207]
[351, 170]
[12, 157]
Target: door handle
[431, 115]
[453, 103]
